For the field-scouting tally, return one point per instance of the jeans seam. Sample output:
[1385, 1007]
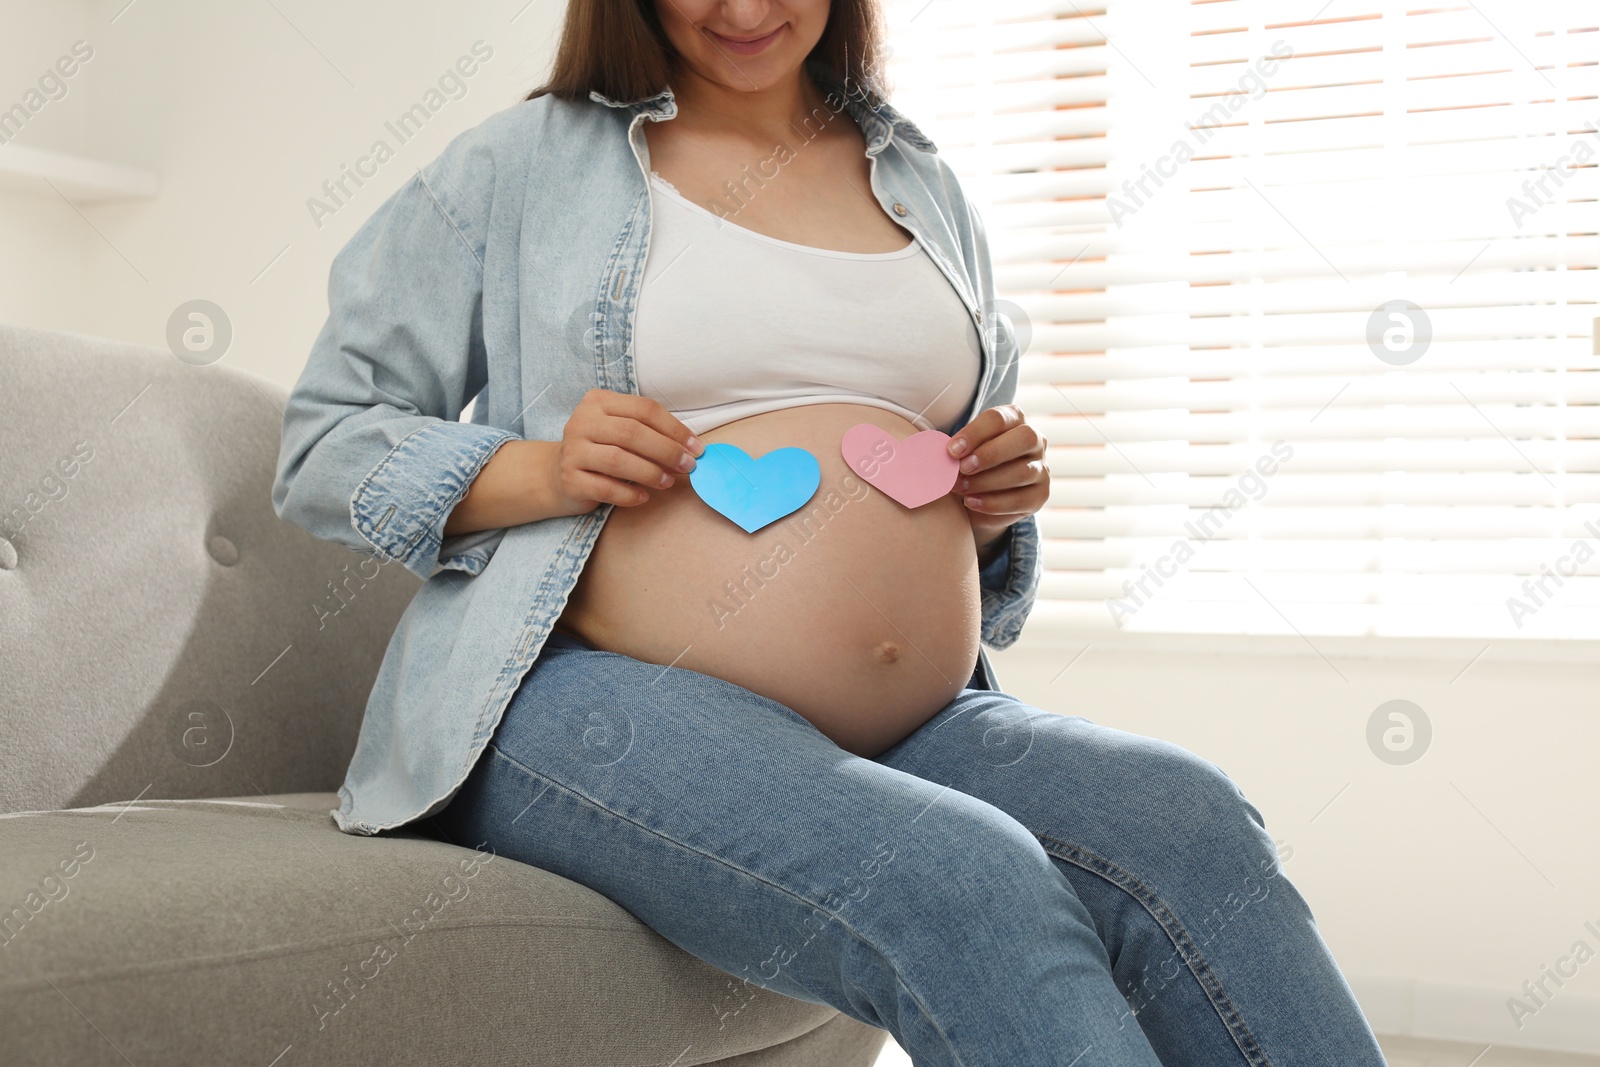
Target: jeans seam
[1174, 930]
[853, 932]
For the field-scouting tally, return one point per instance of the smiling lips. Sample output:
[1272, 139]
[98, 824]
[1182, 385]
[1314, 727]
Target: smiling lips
[746, 48]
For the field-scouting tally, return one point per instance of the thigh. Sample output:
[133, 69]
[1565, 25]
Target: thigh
[1214, 948]
[732, 826]
[1146, 815]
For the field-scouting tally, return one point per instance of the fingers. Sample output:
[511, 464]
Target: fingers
[636, 452]
[1004, 476]
[1010, 504]
[617, 462]
[989, 423]
[1013, 474]
[652, 414]
[1017, 441]
[646, 429]
[618, 445]
[619, 438]
[1011, 490]
[587, 485]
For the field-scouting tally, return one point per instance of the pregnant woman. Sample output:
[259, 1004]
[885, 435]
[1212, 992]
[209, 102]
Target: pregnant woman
[783, 750]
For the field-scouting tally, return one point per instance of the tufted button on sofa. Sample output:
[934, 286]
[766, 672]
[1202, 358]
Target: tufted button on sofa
[182, 677]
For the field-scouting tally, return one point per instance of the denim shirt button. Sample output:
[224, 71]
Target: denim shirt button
[900, 209]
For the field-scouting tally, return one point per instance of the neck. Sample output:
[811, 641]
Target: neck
[761, 114]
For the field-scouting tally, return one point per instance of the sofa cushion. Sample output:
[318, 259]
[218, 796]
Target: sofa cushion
[160, 626]
[250, 930]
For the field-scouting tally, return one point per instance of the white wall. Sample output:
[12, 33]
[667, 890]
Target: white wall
[43, 244]
[1437, 917]
[244, 113]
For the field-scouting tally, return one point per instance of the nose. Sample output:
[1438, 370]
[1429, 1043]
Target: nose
[744, 17]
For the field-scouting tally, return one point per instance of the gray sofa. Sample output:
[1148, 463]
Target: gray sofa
[182, 676]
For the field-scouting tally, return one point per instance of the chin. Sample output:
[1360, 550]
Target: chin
[777, 64]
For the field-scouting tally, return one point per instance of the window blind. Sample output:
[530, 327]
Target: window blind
[1308, 297]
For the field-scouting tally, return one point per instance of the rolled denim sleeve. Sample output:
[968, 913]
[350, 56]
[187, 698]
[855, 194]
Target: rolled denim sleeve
[1009, 584]
[372, 454]
[401, 505]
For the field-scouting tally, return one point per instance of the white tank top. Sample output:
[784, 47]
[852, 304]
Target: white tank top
[732, 323]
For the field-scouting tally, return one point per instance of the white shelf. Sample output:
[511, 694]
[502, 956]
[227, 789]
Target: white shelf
[80, 179]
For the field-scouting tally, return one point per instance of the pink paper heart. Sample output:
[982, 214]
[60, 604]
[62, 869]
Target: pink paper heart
[915, 471]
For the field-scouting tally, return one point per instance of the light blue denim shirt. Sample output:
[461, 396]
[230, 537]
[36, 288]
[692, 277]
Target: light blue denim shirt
[507, 269]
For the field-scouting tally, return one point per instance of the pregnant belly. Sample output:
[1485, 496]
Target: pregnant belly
[856, 612]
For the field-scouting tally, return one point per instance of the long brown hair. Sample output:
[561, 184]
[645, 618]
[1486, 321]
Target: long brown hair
[618, 48]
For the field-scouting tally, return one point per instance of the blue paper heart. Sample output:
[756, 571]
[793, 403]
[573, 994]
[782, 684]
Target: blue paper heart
[755, 492]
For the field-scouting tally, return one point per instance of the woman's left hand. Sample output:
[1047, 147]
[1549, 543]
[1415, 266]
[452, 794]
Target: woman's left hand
[1004, 477]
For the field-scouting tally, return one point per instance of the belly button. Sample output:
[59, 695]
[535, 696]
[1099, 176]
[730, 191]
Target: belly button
[887, 652]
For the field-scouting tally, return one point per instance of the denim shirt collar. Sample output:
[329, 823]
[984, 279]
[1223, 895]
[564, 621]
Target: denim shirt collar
[878, 119]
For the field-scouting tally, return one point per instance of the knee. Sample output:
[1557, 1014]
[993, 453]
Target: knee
[966, 877]
[1185, 804]
[966, 861]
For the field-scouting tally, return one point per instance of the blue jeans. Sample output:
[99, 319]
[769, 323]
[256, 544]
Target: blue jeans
[1004, 887]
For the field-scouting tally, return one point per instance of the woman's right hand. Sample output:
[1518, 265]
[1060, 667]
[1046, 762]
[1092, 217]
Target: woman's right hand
[614, 447]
